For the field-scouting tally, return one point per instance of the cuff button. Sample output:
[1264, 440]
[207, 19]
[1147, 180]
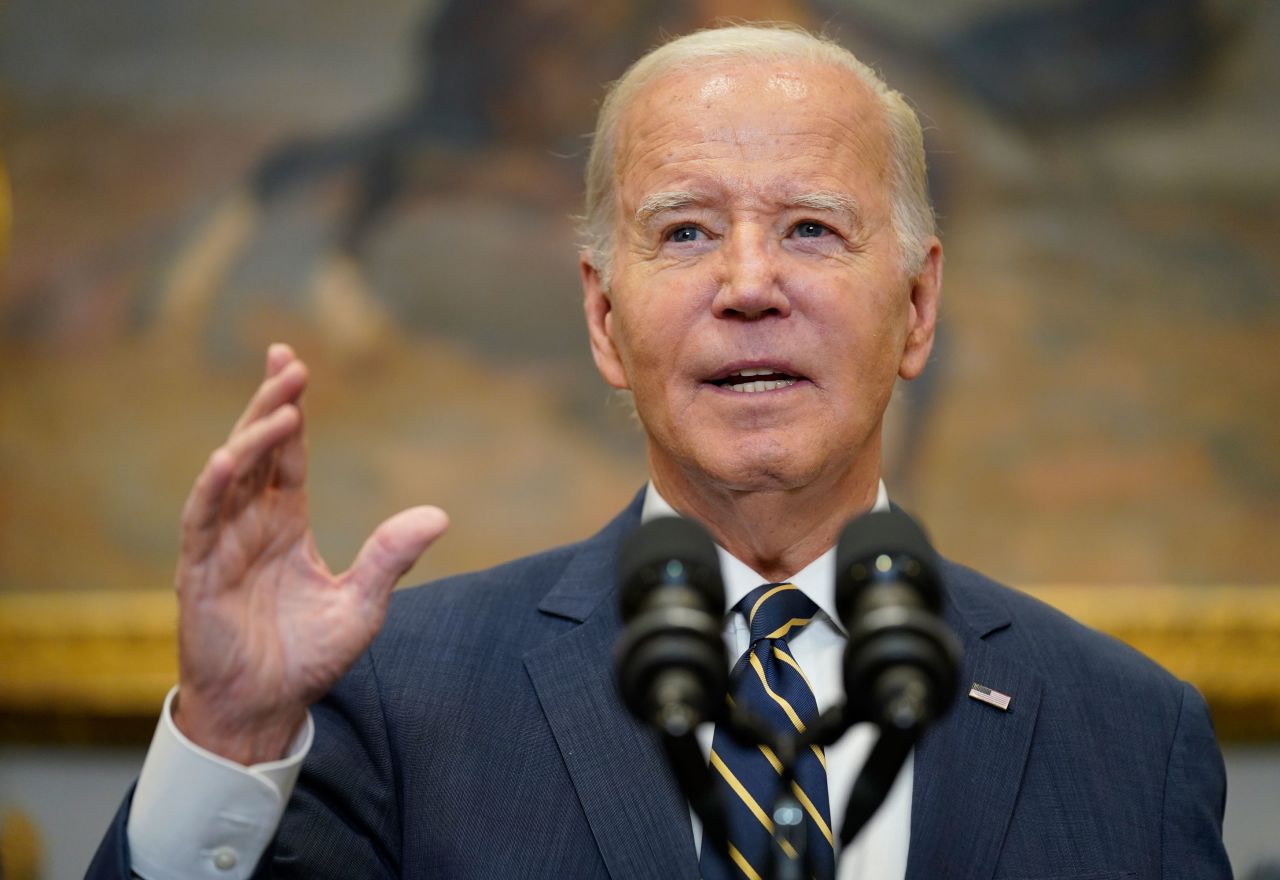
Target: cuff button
[224, 858]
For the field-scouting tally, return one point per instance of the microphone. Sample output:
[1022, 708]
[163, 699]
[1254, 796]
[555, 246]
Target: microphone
[670, 660]
[900, 664]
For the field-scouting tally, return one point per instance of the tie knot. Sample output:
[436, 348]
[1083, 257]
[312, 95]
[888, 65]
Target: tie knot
[775, 611]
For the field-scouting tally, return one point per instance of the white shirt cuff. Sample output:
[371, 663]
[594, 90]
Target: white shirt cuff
[195, 814]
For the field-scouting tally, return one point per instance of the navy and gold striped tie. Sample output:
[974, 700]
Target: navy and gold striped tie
[768, 682]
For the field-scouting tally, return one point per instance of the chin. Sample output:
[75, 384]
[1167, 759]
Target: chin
[753, 467]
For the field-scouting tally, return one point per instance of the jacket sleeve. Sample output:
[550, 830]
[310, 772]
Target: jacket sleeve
[343, 819]
[111, 861]
[1195, 797]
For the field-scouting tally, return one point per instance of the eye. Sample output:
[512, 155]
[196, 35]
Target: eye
[810, 229]
[686, 233]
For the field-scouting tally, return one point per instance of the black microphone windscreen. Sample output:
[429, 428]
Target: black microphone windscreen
[668, 549]
[885, 533]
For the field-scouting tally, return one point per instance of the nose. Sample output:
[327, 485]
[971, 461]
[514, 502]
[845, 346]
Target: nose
[750, 282]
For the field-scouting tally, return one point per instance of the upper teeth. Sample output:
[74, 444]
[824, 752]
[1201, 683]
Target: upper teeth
[759, 384]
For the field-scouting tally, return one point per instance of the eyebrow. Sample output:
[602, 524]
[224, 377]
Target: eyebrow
[664, 201]
[823, 200]
[831, 202]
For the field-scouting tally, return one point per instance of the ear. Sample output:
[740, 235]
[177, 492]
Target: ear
[922, 318]
[599, 312]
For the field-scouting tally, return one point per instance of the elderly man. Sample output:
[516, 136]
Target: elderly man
[762, 269]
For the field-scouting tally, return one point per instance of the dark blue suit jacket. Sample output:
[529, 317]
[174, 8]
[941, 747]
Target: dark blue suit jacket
[481, 737]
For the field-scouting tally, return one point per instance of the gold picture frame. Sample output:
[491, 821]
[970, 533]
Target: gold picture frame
[94, 667]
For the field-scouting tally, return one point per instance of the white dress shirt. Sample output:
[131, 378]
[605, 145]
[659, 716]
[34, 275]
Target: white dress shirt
[197, 815]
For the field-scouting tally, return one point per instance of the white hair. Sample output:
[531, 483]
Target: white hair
[911, 213]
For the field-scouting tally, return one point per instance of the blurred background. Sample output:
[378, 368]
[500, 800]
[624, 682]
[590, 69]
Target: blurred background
[390, 189]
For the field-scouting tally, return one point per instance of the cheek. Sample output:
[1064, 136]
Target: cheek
[656, 333]
[858, 324]
[871, 304]
[639, 351]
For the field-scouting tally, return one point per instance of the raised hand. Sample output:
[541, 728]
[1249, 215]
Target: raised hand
[264, 627]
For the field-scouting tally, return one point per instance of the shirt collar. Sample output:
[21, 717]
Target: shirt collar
[816, 580]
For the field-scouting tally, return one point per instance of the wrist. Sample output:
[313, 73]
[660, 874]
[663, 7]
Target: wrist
[245, 738]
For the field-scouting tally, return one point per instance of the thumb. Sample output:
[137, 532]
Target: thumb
[394, 547]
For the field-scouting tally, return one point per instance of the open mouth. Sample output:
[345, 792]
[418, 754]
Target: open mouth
[755, 379]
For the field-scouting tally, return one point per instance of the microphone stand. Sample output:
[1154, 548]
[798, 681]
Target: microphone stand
[874, 781]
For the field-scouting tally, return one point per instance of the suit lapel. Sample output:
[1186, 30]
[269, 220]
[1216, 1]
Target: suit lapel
[637, 814]
[968, 769]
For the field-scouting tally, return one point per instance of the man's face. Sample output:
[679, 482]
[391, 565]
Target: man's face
[758, 308]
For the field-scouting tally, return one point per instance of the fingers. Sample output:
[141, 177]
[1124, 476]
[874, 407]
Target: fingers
[248, 450]
[394, 547]
[270, 425]
[291, 460]
[286, 377]
[250, 447]
[202, 510]
[279, 356]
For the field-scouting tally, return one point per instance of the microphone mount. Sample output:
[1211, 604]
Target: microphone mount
[899, 667]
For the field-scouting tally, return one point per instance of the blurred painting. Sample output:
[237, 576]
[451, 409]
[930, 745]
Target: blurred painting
[391, 189]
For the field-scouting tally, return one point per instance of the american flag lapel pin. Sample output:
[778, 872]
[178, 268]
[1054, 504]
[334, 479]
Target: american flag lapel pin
[984, 694]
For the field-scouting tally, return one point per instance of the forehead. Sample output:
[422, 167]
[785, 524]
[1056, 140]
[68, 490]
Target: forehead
[797, 118]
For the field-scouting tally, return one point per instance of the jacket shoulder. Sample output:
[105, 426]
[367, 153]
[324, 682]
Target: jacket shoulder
[519, 601]
[513, 581]
[1056, 645]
